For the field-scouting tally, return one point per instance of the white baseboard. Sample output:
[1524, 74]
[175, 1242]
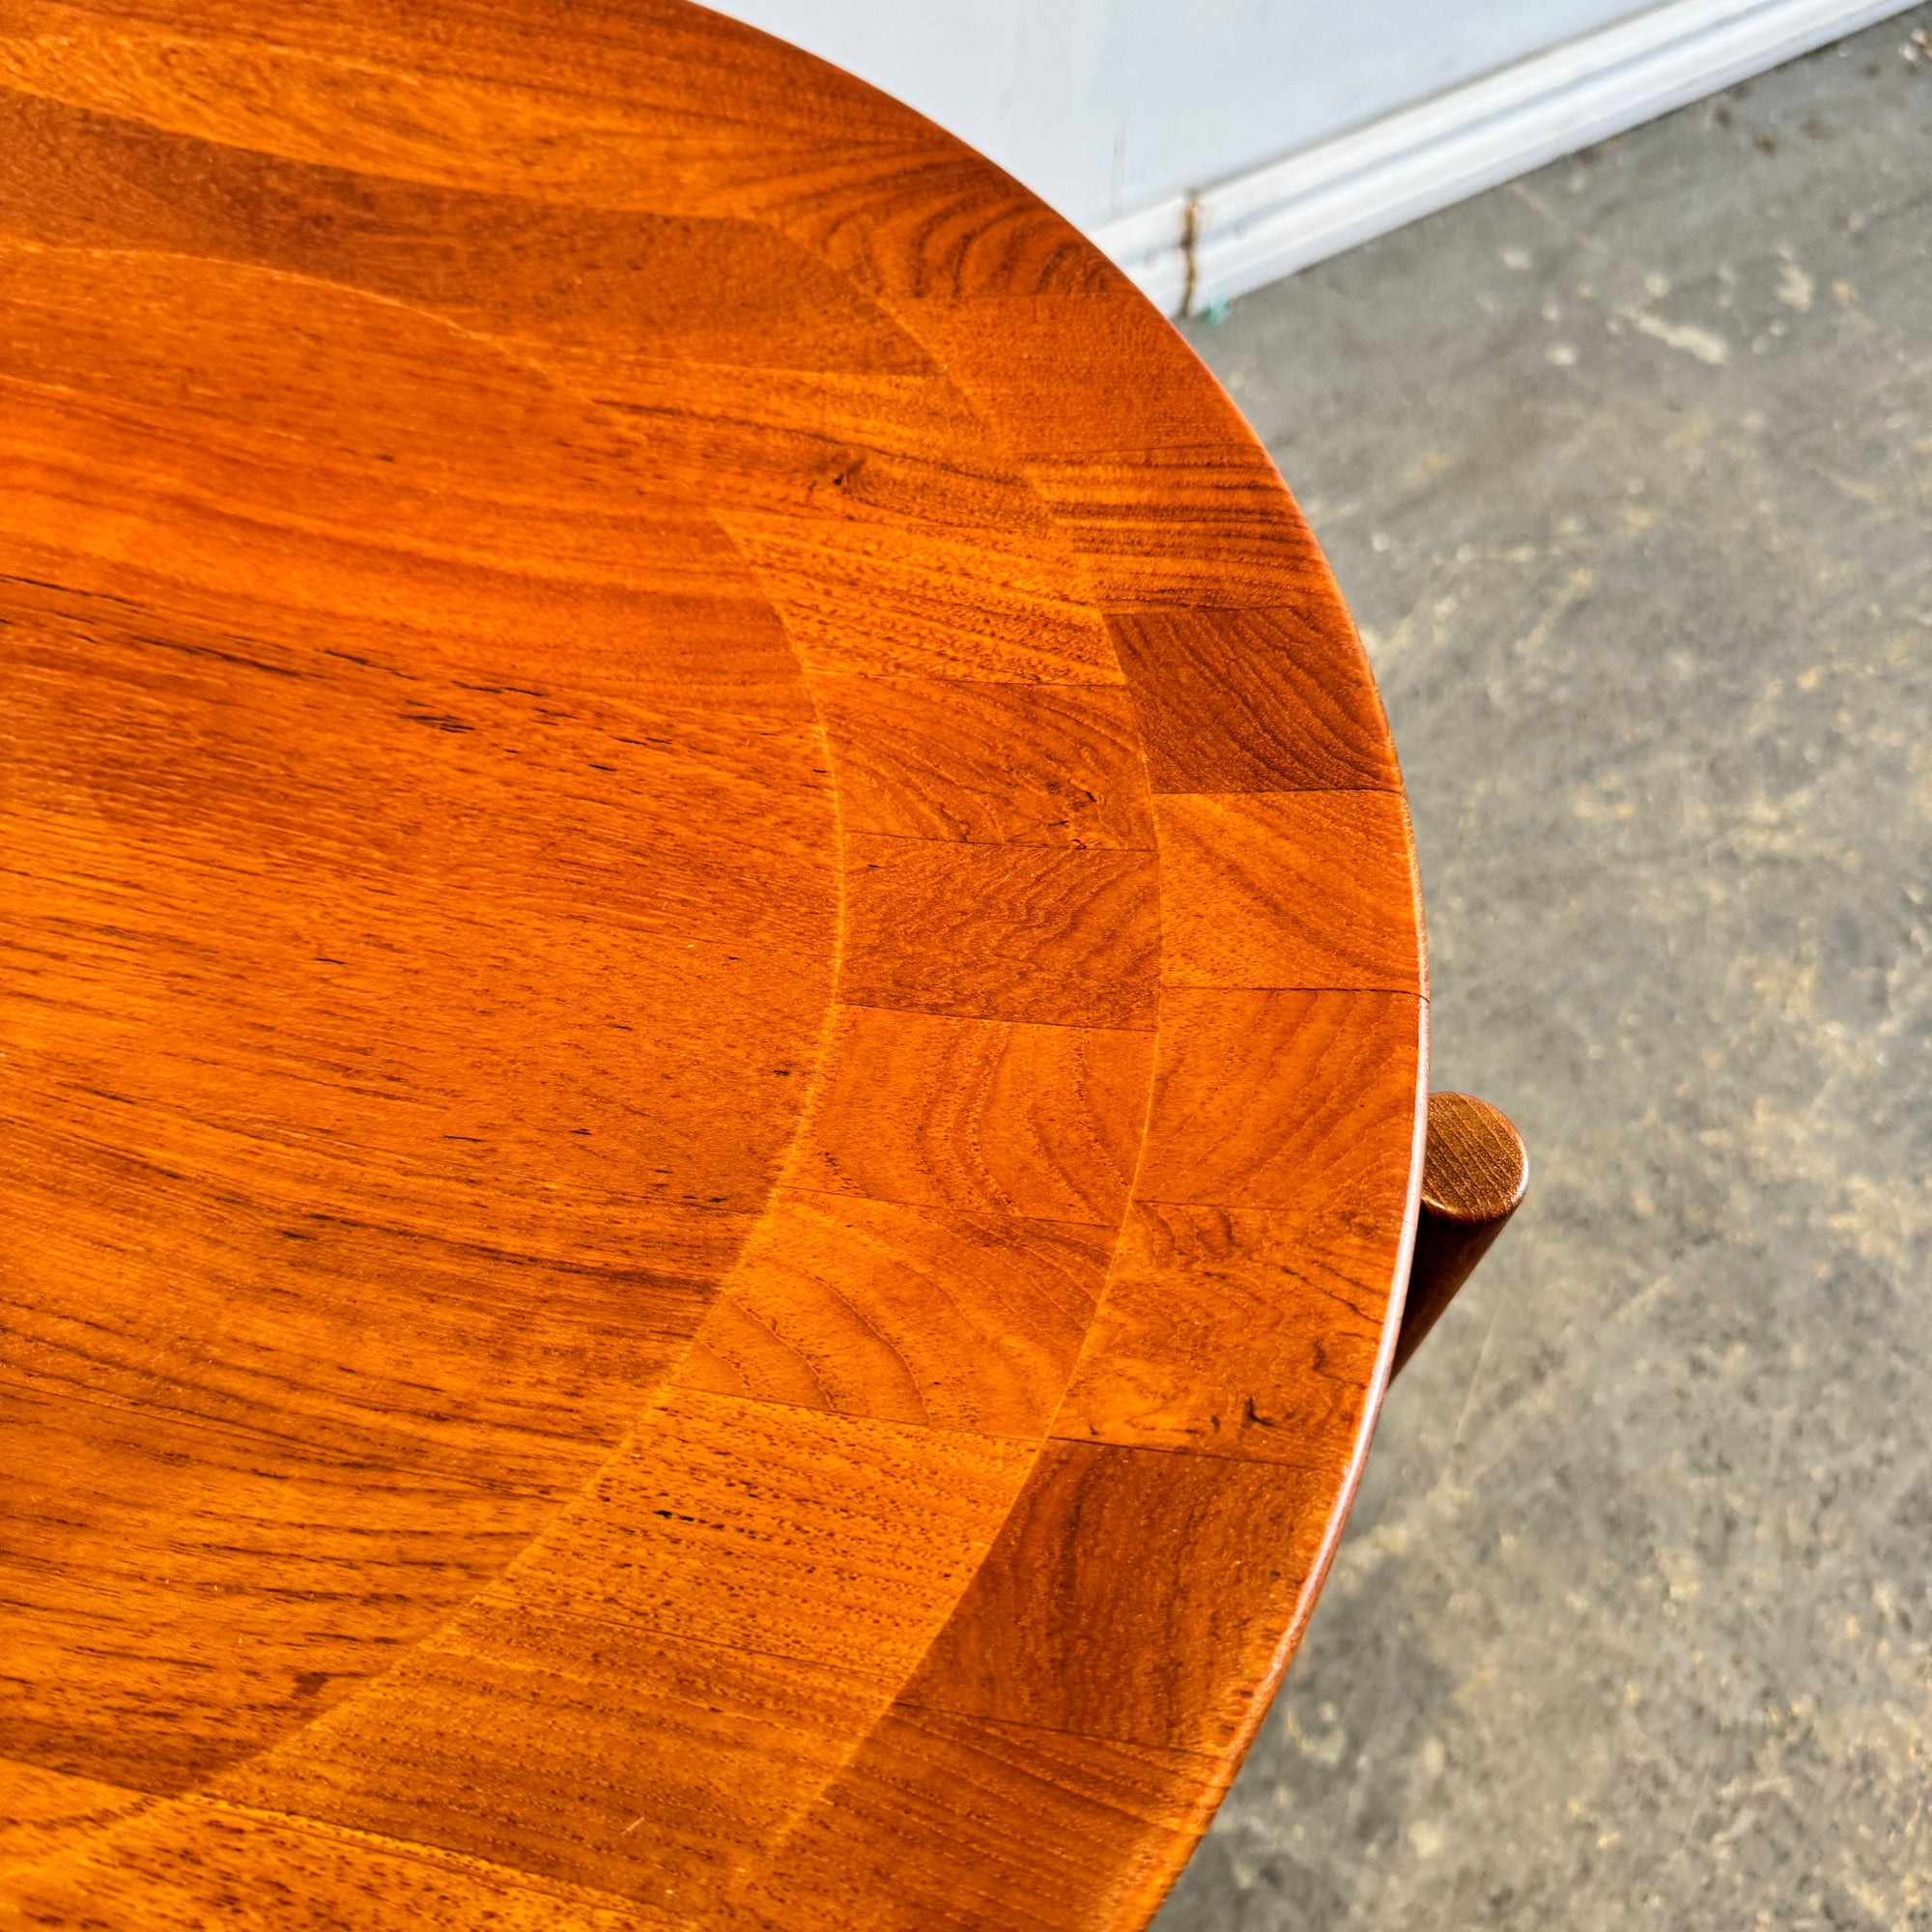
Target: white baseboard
[1191, 251]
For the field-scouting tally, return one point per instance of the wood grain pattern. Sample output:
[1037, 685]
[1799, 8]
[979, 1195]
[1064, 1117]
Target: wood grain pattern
[1310, 889]
[1254, 701]
[864, 1566]
[1055, 935]
[957, 1821]
[713, 999]
[989, 1115]
[44, 1814]
[540, 1740]
[906, 1314]
[991, 763]
[1133, 1597]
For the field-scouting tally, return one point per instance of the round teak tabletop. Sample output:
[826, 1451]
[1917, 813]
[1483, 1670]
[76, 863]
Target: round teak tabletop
[714, 1008]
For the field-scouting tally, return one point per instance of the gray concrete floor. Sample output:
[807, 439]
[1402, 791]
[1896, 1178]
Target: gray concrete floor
[1626, 469]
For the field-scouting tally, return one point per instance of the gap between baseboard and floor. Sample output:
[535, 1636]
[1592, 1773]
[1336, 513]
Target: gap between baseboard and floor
[1193, 252]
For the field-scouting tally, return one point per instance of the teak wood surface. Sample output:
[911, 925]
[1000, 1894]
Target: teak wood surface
[714, 1008]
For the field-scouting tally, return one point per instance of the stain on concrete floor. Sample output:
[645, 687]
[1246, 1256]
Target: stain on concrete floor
[1626, 469]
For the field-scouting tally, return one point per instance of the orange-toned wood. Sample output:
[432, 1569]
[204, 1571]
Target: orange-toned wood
[713, 1001]
[1475, 1173]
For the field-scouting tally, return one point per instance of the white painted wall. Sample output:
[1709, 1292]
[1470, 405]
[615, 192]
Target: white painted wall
[1209, 145]
[1105, 106]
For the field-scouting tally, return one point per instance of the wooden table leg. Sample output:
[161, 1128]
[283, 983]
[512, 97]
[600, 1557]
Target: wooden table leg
[1474, 1174]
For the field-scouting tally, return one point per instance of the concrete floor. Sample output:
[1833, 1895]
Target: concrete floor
[1627, 469]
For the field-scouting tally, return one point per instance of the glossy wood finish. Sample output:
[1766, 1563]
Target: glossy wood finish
[1475, 1173]
[714, 1005]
